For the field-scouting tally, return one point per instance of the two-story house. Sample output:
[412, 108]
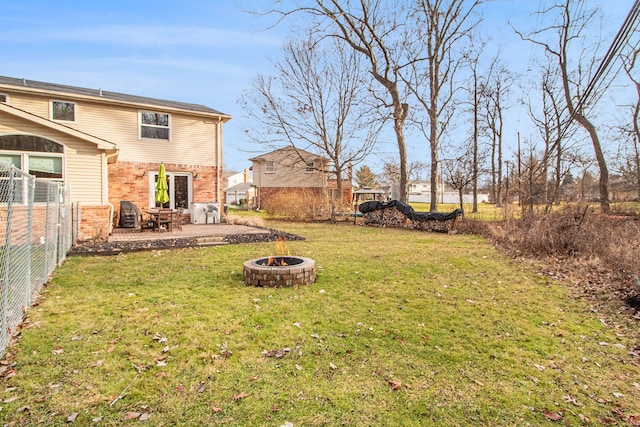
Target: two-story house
[293, 170]
[108, 147]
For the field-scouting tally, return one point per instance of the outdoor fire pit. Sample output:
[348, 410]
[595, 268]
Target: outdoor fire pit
[279, 271]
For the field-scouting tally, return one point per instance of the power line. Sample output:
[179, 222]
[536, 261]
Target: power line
[621, 39]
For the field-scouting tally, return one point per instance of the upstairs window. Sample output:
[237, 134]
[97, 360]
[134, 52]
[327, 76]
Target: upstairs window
[311, 167]
[154, 125]
[270, 167]
[3, 98]
[62, 110]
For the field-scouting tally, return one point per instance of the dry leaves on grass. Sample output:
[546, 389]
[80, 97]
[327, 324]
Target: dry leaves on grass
[395, 385]
[553, 416]
[239, 396]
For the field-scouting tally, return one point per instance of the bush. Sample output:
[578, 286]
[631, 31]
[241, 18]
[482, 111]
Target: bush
[301, 205]
[251, 221]
[612, 241]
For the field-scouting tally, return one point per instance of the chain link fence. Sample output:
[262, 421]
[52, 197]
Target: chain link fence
[36, 228]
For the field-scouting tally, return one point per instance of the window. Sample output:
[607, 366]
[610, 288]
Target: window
[45, 166]
[35, 155]
[3, 98]
[154, 125]
[270, 167]
[61, 110]
[311, 167]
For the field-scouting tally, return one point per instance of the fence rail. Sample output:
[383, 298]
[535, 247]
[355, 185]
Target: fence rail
[36, 226]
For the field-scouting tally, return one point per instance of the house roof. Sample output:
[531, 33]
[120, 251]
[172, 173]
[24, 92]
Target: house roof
[288, 151]
[368, 190]
[241, 187]
[99, 94]
[17, 112]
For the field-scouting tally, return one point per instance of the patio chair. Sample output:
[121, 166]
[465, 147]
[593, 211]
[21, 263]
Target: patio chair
[177, 219]
[147, 221]
[165, 220]
[212, 211]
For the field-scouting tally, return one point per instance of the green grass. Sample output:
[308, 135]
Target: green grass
[467, 336]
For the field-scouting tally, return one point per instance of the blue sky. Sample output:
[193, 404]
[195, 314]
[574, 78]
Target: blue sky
[198, 51]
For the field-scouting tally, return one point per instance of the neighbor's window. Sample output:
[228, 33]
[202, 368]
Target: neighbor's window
[3, 98]
[311, 167]
[154, 125]
[270, 167]
[61, 110]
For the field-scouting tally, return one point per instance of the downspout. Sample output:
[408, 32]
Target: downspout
[105, 183]
[219, 163]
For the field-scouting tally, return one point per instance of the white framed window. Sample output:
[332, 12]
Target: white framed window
[311, 167]
[4, 98]
[270, 167]
[155, 125]
[63, 111]
[38, 156]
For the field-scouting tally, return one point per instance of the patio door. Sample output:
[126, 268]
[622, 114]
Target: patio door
[180, 190]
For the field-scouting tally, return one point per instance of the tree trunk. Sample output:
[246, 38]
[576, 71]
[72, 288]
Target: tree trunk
[474, 208]
[400, 112]
[433, 146]
[603, 185]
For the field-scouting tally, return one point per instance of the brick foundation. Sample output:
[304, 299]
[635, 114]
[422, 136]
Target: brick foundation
[94, 222]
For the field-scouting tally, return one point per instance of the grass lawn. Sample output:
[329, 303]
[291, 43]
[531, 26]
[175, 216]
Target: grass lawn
[401, 328]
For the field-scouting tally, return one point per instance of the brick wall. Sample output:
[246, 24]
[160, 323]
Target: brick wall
[94, 222]
[126, 182]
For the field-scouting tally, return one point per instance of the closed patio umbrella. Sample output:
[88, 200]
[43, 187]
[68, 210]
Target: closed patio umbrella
[162, 193]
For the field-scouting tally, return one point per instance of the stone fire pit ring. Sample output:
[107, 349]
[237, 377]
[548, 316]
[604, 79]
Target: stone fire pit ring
[297, 271]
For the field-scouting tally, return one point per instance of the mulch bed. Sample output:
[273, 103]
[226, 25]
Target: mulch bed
[112, 248]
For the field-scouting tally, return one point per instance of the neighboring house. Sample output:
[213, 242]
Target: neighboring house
[108, 147]
[292, 170]
[239, 187]
[420, 192]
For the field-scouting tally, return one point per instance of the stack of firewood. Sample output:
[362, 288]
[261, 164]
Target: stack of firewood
[392, 217]
[434, 225]
[389, 217]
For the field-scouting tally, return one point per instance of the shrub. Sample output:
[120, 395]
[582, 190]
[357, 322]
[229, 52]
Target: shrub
[251, 221]
[613, 241]
[300, 205]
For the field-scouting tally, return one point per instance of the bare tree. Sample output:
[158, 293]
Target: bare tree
[533, 180]
[569, 28]
[316, 103]
[631, 165]
[442, 26]
[550, 124]
[495, 91]
[475, 95]
[376, 29]
[458, 171]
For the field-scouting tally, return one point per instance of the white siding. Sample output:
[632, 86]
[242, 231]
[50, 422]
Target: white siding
[83, 160]
[193, 137]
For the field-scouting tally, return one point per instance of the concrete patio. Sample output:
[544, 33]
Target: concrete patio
[197, 231]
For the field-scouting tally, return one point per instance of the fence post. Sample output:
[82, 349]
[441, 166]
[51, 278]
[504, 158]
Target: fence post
[4, 327]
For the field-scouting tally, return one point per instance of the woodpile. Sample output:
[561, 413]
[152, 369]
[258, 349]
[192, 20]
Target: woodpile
[390, 216]
[435, 225]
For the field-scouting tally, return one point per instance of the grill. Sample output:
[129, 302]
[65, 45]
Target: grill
[128, 214]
